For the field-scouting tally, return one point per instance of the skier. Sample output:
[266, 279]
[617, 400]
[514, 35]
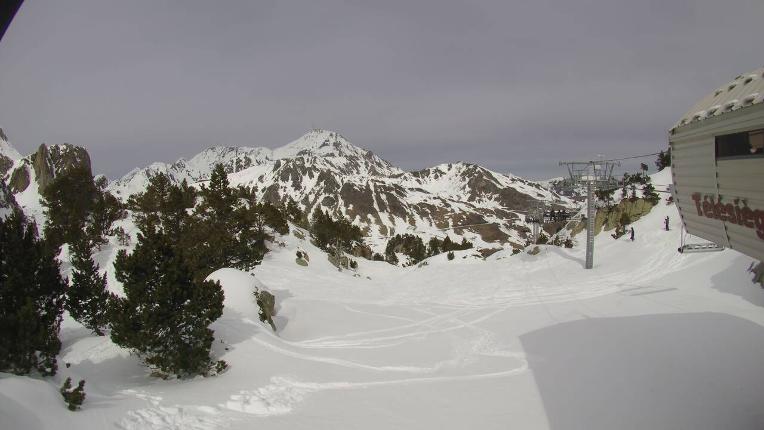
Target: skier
[667, 223]
[632, 234]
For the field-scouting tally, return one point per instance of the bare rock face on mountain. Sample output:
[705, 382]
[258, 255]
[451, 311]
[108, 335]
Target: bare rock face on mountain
[19, 179]
[45, 164]
[323, 169]
[50, 161]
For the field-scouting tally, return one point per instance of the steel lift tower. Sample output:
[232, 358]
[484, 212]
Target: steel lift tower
[593, 174]
[536, 219]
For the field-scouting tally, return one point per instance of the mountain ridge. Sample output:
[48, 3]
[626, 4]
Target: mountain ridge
[323, 169]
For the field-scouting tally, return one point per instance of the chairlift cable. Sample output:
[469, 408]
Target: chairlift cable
[634, 156]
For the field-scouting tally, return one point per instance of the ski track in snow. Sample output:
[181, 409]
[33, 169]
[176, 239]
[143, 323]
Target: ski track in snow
[284, 392]
[440, 323]
[174, 418]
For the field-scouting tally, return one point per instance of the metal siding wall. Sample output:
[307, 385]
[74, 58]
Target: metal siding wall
[743, 179]
[694, 171]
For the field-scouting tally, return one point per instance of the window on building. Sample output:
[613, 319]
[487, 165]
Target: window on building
[746, 144]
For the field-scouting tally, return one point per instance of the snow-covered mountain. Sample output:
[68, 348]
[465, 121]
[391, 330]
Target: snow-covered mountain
[323, 169]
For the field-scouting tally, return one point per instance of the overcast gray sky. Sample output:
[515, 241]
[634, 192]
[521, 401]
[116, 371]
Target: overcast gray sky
[512, 85]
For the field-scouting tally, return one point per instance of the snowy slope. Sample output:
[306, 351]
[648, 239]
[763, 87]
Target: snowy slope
[323, 169]
[648, 338]
[8, 156]
[6, 150]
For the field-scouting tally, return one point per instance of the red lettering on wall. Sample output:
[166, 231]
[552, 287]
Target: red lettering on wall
[712, 207]
[696, 198]
[759, 219]
[708, 207]
[748, 217]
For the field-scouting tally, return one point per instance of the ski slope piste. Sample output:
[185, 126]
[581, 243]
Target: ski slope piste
[647, 339]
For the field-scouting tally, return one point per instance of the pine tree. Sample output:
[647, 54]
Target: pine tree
[328, 232]
[320, 228]
[69, 200]
[273, 217]
[433, 246]
[165, 314]
[87, 299]
[105, 211]
[663, 160]
[218, 200]
[447, 245]
[606, 196]
[624, 189]
[149, 205]
[295, 214]
[215, 231]
[648, 192]
[31, 299]
[408, 244]
[250, 245]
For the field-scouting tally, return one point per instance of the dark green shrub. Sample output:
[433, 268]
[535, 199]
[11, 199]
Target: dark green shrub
[73, 396]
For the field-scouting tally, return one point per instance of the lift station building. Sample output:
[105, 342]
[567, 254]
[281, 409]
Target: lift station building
[717, 158]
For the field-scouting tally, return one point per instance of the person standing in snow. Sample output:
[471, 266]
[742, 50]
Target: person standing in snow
[667, 223]
[632, 234]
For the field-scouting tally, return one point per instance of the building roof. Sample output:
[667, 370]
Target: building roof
[743, 91]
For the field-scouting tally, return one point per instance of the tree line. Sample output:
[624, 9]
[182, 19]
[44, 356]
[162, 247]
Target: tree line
[413, 247]
[183, 235]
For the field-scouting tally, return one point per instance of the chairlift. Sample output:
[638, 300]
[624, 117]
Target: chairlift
[557, 215]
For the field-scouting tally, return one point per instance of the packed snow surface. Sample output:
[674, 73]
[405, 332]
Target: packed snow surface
[649, 338]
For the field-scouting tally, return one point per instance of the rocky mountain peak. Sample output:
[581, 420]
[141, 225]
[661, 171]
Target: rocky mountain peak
[45, 164]
[8, 154]
[331, 150]
[323, 169]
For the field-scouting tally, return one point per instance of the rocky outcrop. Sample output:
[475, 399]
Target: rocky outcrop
[19, 179]
[609, 218]
[362, 250]
[5, 164]
[267, 304]
[47, 163]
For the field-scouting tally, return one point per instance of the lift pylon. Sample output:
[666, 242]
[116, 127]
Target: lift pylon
[593, 175]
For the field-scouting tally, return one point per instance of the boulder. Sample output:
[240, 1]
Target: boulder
[19, 180]
[267, 304]
[362, 250]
